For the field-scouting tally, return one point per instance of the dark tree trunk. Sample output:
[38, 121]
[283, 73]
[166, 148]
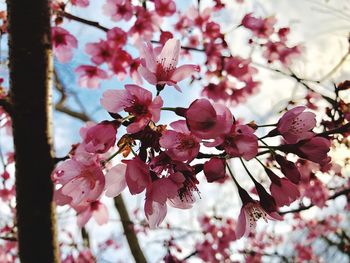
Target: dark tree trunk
[30, 72]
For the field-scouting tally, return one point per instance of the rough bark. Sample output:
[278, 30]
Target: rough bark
[30, 71]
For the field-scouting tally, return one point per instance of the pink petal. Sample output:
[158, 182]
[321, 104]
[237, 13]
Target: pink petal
[183, 72]
[115, 100]
[84, 217]
[101, 214]
[115, 180]
[170, 54]
[241, 224]
[155, 213]
[148, 75]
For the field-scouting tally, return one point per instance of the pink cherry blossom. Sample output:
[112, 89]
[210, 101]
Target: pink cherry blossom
[214, 169]
[315, 149]
[157, 195]
[160, 68]
[208, 121]
[137, 176]
[135, 100]
[179, 143]
[101, 137]
[239, 142]
[296, 125]
[95, 209]
[283, 191]
[118, 9]
[165, 7]
[115, 180]
[90, 76]
[80, 3]
[63, 44]
[81, 179]
[262, 28]
[289, 169]
[250, 213]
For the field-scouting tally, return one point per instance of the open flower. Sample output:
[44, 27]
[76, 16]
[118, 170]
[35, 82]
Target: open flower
[251, 212]
[240, 141]
[158, 193]
[296, 125]
[160, 69]
[179, 143]
[135, 100]
[81, 179]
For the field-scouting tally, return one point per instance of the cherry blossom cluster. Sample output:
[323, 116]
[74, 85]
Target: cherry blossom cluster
[228, 78]
[162, 163]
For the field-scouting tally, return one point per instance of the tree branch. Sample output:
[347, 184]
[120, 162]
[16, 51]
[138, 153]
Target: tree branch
[129, 230]
[302, 208]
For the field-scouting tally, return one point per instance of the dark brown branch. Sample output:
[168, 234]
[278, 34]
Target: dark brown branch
[339, 130]
[302, 208]
[129, 230]
[30, 75]
[11, 239]
[82, 20]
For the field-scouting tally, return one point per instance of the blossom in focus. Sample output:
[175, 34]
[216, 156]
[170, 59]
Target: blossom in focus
[135, 100]
[99, 138]
[115, 180]
[314, 149]
[208, 121]
[296, 125]
[157, 195]
[160, 67]
[283, 191]
[239, 142]
[179, 143]
[63, 44]
[289, 169]
[137, 176]
[81, 179]
[250, 213]
[214, 169]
